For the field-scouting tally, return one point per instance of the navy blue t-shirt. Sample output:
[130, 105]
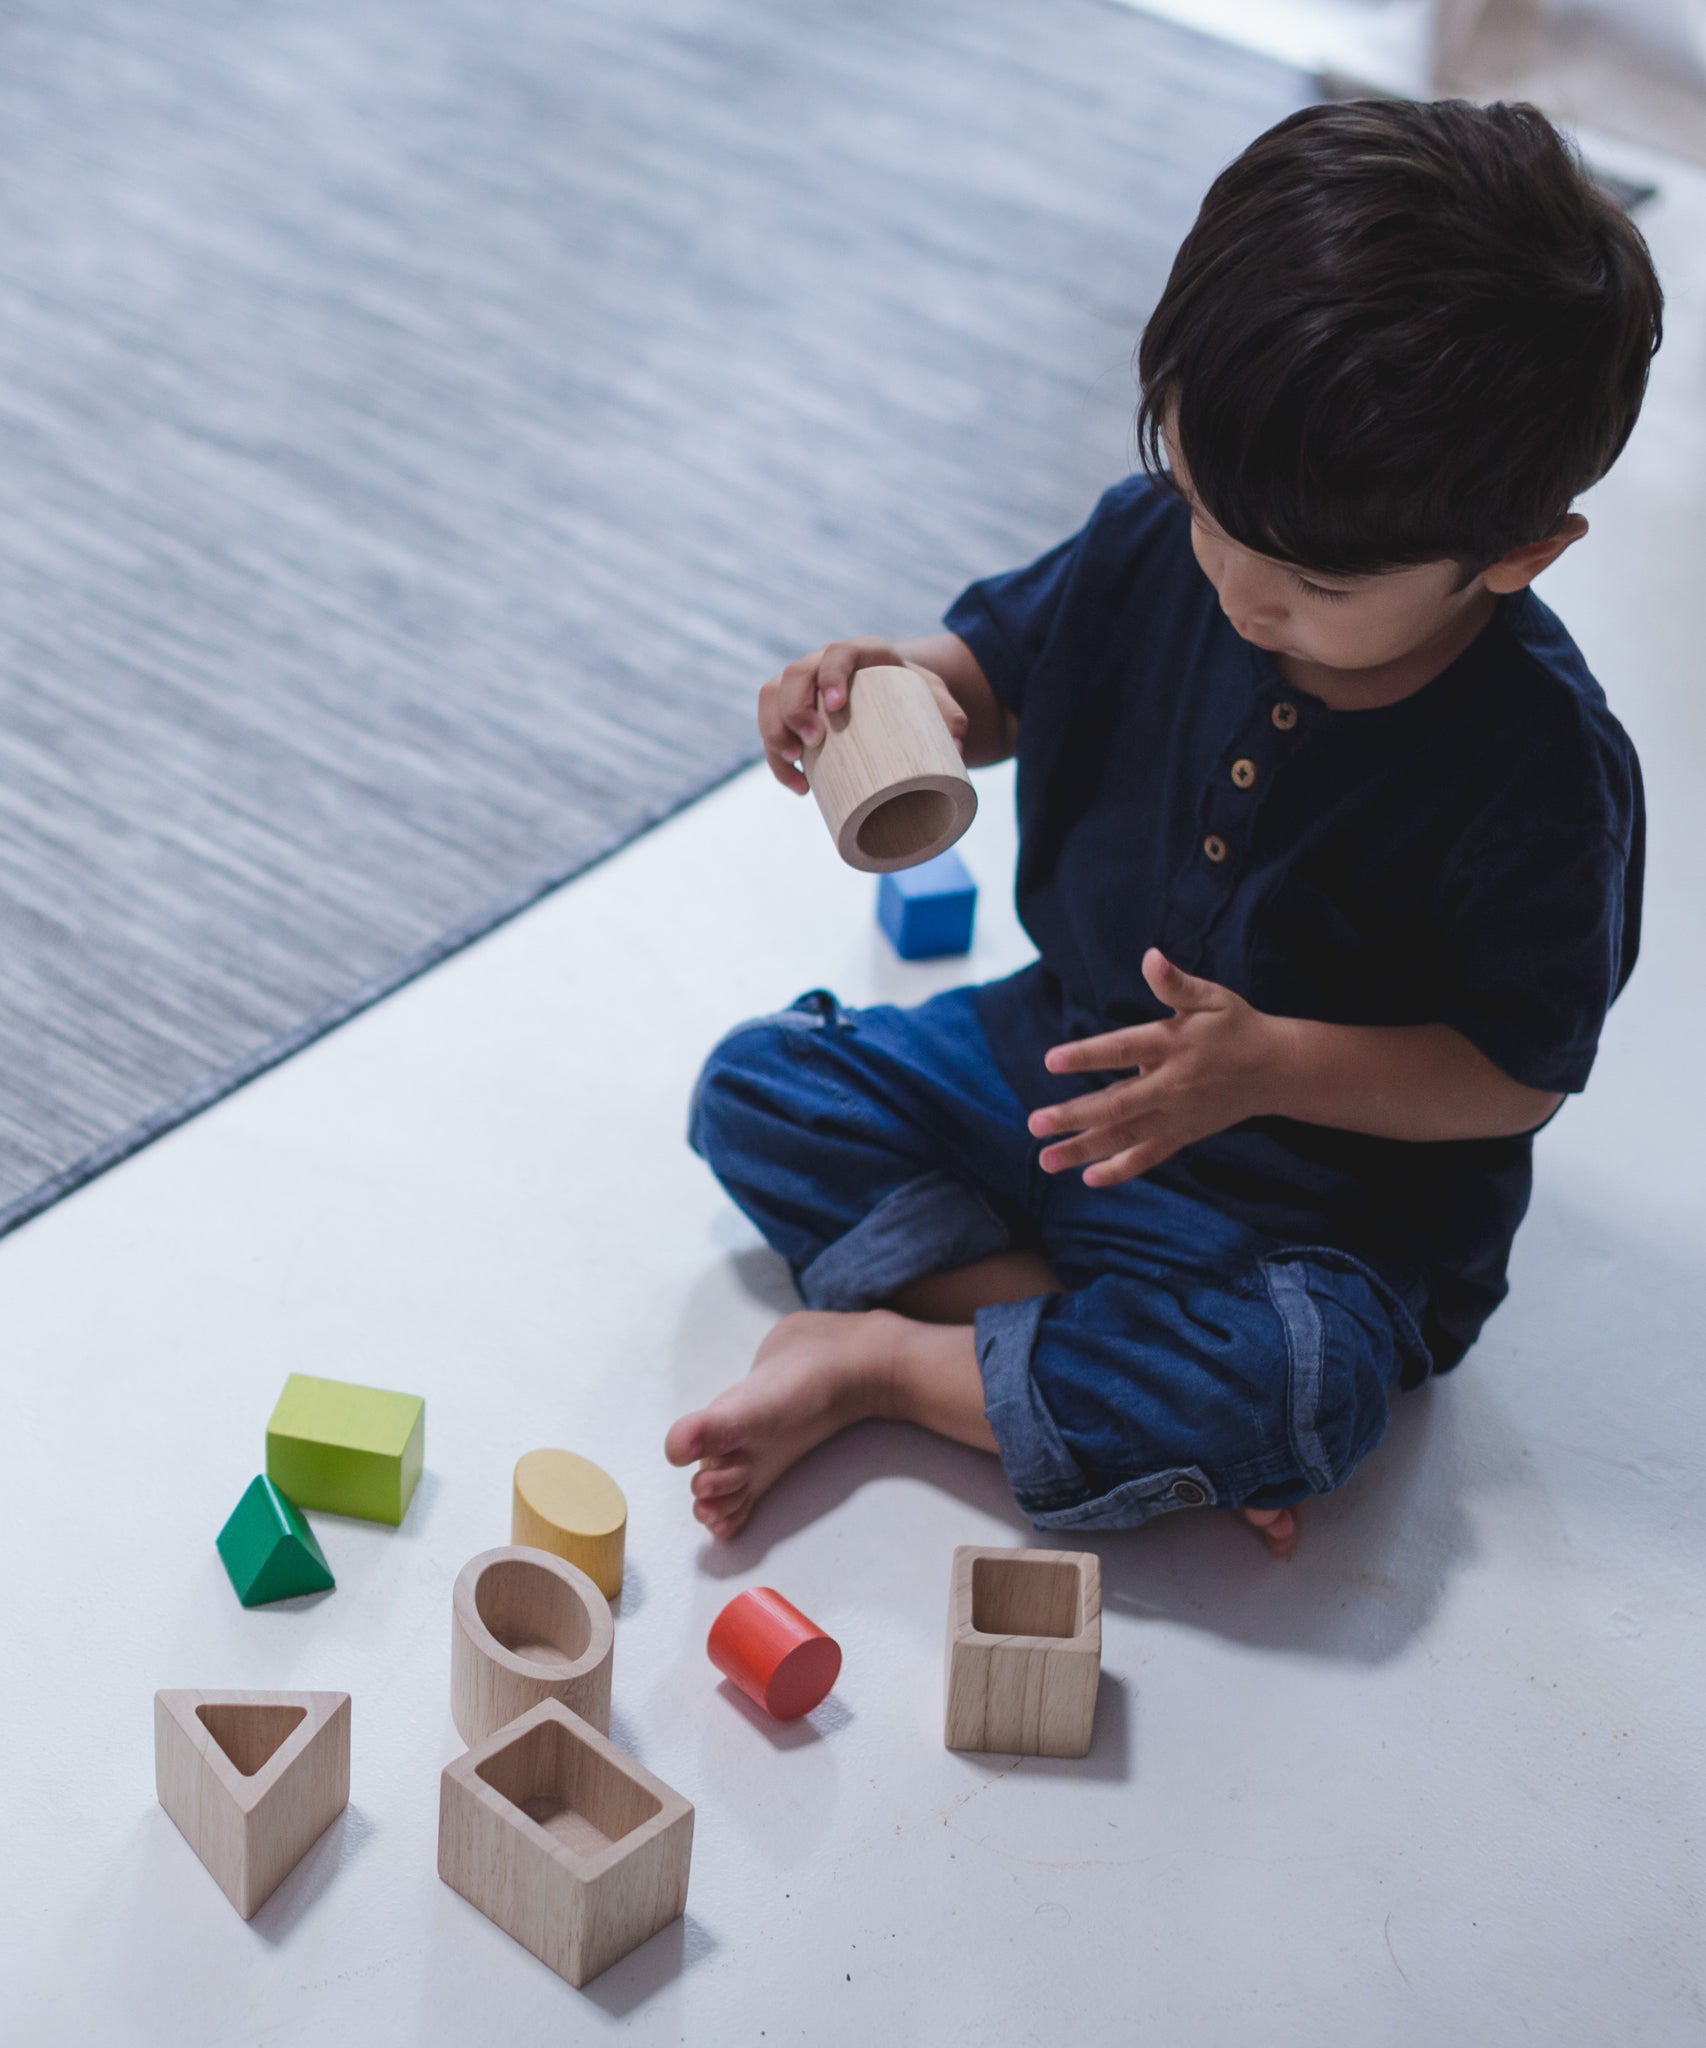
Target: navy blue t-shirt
[1470, 856]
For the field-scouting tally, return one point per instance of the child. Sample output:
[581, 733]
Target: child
[1329, 846]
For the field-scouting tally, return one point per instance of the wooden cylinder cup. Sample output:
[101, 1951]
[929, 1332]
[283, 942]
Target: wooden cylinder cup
[526, 1627]
[887, 777]
[783, 1662]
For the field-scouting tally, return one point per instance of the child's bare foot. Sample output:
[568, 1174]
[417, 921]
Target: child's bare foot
[1278, 1528]
[815, 1373]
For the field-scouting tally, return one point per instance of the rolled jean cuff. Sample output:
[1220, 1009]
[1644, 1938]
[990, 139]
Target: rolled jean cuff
[928, 1225]
[1040, 1469]
[1047, 1480]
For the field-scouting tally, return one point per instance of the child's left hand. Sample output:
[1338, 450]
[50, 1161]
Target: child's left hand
[1208, 1066]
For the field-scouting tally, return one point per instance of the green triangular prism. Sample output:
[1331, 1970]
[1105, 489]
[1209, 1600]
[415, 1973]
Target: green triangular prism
[296, 1565]
[269, 1551]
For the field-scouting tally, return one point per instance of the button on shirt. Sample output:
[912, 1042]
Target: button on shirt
[1470, 856]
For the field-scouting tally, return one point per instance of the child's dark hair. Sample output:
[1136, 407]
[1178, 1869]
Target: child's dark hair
[1400, 333]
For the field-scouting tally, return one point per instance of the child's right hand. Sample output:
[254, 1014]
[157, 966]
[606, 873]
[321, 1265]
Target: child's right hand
[792, 705]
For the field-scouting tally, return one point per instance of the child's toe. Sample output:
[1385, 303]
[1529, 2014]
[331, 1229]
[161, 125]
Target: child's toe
[1278, 1528]
[724, 1515]
[681, 1446]
[706, 1436]
[732, 1518]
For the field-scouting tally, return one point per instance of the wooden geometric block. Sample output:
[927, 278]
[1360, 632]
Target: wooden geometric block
[928, 911]
[568, 1505]
[269, 1551]
[345, 1449]
[1024, 1651]
[564, 1841]
[777, 1656]
[253, 1780]
[887, 777]
[524, 1627]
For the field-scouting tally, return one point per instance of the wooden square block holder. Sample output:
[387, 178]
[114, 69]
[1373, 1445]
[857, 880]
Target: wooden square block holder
[252, 1779]
[526, 1627]
[1024, 1651]
[564, 1841]
[887, 775]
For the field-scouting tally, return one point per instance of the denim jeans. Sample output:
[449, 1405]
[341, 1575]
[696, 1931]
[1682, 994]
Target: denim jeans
[1188, 1360]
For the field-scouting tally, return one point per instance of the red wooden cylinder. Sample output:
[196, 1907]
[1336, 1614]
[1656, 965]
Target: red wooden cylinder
[780, 1660]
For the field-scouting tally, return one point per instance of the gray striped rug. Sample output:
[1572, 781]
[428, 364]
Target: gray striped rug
[424, 422]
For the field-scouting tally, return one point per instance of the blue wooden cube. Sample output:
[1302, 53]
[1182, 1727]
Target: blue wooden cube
[928, 910]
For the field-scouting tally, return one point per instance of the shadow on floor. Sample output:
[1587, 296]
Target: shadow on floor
[1373, 1564]
[626, 1985]
[1369, 1573]
[342, 1842]
[1576, 1403]
[1371, 1569]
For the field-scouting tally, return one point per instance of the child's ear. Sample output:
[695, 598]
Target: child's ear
[1518, 569]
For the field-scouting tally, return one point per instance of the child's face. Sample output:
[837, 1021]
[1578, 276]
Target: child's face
[1334, 622]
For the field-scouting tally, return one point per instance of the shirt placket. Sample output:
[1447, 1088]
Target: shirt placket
[1210, 869]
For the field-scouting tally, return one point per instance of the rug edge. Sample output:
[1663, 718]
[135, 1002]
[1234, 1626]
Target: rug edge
[230, 1080]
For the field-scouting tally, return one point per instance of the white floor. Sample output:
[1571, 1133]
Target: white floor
[1388, 42]
[1629, 68]
[1437, 1779]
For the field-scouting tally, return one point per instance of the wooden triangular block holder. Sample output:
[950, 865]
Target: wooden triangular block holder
[252, 1779]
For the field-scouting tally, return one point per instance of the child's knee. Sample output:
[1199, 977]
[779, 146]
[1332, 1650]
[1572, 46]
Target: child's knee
[1136, 1400]
[1347, 1345]
[737, 1095]
[754, 1088]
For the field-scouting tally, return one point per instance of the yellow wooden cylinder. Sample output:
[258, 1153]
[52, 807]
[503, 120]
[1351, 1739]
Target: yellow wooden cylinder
[568, 1505]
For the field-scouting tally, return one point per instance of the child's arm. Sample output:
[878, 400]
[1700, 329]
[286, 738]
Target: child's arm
[1217, 1060]
[788, 705]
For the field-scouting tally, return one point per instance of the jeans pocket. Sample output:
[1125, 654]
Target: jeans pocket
[1347, 1338]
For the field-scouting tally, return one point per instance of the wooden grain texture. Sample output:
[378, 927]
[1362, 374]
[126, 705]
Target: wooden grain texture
[566, 1504]
[526, 1627]
[422, 427]
[1024, 1651]
[252, 1779]
[564, 1840]
[887, 777]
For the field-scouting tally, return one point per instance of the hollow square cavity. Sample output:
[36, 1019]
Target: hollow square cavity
[1015, 1597]
[564, 1786]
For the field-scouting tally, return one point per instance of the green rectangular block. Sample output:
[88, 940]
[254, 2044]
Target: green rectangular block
[347, 1450]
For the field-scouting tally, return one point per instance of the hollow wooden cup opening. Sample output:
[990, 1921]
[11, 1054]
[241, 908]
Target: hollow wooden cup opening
[533, 1613]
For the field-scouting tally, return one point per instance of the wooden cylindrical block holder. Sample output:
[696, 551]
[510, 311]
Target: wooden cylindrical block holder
[887, 777]
[573, 1508]
[526, 1627]
[780, 1660]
